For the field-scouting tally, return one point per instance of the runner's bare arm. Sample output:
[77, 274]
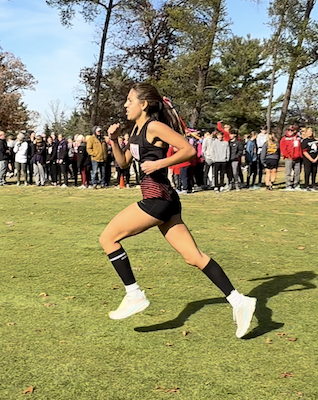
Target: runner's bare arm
[123, 159]
[162, 131]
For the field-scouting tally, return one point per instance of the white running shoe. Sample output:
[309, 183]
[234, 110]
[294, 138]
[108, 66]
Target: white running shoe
[130, 306]
[243, 315]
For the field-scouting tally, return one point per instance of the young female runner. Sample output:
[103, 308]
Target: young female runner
[156, 127]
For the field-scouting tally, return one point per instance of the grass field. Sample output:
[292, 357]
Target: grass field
[57, 288]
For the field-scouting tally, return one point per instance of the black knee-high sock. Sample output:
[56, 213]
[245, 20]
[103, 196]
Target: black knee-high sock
[121, 263]
[216, 274]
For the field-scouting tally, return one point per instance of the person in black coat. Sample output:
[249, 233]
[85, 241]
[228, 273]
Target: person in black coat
[38, 159]
[62, 160]
[51, 159]
[4, 157]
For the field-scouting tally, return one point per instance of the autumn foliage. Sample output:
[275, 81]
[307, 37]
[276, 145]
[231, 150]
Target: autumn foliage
[14, 78]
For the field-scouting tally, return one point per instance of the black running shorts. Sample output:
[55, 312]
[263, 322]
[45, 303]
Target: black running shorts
[161, 209]
[271, 164]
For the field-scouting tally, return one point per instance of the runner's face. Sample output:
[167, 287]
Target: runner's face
[133, 106]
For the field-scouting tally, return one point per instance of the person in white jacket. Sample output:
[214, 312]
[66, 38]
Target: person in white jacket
[208, 161]
[260, 141]
[21, 150]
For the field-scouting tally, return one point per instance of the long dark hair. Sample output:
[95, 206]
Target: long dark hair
[158, 107]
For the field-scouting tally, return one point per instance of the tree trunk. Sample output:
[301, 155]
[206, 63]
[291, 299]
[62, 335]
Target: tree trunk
[294, 66]
[203, 68]
[287, 97]
[100, 65]
[274, 69]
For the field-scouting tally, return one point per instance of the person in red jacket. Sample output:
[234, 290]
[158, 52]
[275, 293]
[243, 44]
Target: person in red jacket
[290, 148]
[225, 130]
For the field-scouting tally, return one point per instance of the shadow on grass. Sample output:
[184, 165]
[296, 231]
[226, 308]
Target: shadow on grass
[272, 287]
[191, 308]
[275, 285]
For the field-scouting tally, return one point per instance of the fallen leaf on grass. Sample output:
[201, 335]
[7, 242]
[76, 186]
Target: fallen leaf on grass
[281, 334]
[10, 223]
[114, 287]
[269, 341]
[169, 344]
[286, 375]
[62, 341]
[88, 285]
[30, 389]
[49, 304]
[148, 287]
[166, 390]
[173, 390]
[12, 277]
[301, 247]
[284, 230]
[292, 339]
[300, 394]
[185, 333]
[137, 269]
[11, 323]
[43, 295]
[163, 310]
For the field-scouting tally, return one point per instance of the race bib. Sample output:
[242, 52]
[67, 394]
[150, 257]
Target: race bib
[296, 143]
[134, 149]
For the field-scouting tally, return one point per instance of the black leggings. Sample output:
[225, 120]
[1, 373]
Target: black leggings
[219, 166]
[310, 169]
[126, 174]
[251, 171]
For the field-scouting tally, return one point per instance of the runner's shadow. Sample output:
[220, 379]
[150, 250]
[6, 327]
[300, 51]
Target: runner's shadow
[191, 308]
[273, 286]
[263, 292]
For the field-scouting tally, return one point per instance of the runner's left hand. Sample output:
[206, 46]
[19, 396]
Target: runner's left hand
[149, 167]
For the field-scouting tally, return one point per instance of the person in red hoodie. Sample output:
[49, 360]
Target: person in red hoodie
[290, 148]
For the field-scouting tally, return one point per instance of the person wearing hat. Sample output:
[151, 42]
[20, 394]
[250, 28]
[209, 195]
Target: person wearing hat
[97, 149]
[290, 148]
[21, 155]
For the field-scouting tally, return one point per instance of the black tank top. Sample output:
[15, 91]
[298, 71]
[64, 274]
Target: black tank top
[155, 185]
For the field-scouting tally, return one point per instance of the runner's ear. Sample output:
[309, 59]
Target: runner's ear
[145, 104]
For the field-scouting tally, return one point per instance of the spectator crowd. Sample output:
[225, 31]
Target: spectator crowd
[222, 157]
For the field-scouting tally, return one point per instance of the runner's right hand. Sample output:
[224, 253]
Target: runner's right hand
[114, 131]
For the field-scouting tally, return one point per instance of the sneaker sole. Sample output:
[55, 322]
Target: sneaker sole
[138, 308]
[247, 319]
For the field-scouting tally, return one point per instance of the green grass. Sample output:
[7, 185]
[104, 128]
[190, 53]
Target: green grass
[71, 350]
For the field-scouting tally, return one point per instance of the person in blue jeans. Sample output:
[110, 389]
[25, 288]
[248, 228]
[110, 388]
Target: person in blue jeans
[97, 149]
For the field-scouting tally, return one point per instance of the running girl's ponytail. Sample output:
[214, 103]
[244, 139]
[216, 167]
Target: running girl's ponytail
[159, 107]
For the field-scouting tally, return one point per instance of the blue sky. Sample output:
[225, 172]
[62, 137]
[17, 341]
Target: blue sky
[54, 54]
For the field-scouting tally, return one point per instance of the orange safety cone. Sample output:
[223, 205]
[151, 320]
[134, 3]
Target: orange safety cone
[121, 182]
